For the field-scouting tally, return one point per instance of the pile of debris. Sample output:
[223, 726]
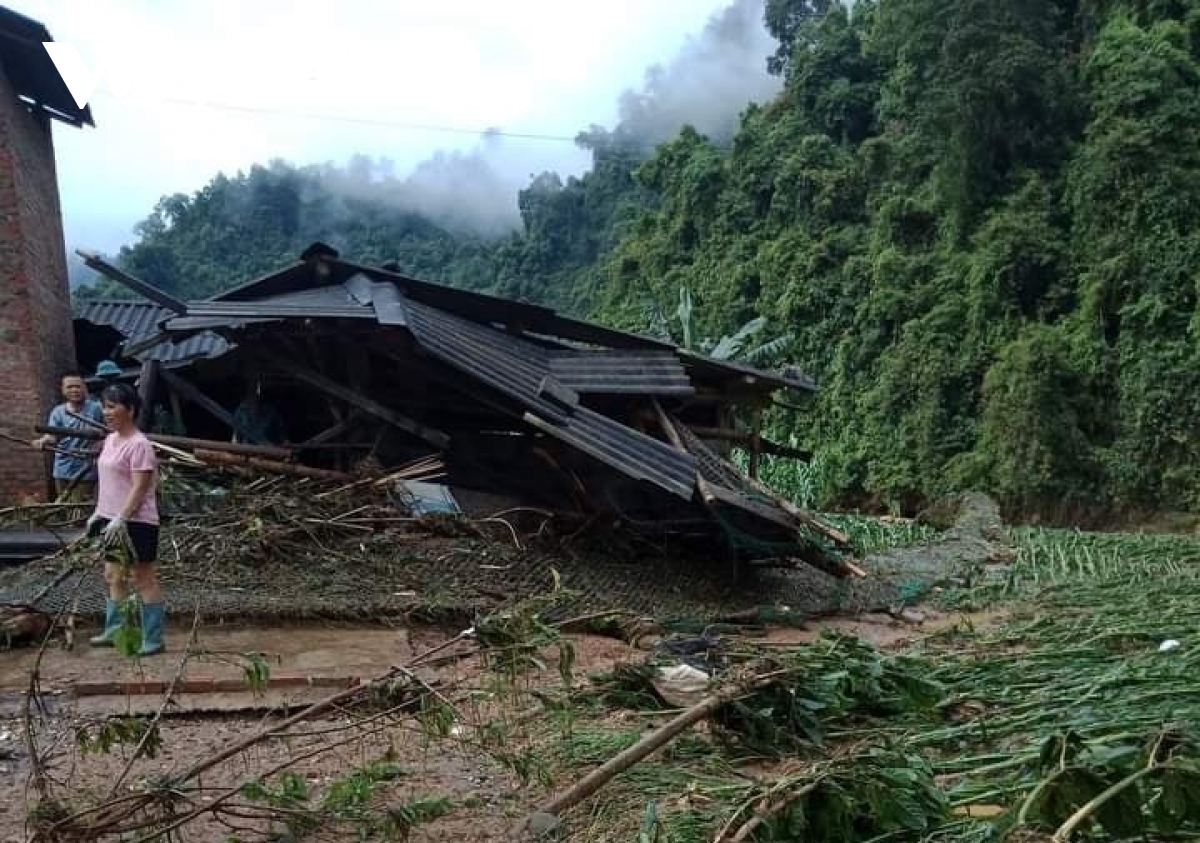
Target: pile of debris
[239, 545]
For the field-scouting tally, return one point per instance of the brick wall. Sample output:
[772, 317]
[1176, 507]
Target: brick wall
[36, 341]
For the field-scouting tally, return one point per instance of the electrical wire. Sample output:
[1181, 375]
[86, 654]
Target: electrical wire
[375, 121]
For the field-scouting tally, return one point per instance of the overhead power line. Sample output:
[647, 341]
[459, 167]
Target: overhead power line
[373, 121]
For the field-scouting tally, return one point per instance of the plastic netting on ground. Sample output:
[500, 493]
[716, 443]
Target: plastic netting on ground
[285, 551]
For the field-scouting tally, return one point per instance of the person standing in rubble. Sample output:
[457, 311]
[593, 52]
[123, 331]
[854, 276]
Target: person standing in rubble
[74, 471]
[256, 421]
[127, 516]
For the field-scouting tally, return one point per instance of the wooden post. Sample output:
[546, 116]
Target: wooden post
[147, 386]
[177, 411]
[755, 442]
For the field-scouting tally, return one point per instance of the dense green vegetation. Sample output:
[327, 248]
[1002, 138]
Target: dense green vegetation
[977, 218]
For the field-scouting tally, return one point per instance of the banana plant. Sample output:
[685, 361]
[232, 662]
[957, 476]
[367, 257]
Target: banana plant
[738, 346]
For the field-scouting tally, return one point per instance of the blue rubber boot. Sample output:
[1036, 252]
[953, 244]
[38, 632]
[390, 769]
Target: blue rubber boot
[153, 616]
[112, 623]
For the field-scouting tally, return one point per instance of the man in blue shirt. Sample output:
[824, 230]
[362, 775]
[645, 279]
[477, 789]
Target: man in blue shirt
[74, 463]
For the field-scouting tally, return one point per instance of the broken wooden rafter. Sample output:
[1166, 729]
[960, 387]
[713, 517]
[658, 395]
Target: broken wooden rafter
[327, 385]
[744, 437]
[190, 393]
[94, 261]
[331, 432]
[779, 514]
[840, 539]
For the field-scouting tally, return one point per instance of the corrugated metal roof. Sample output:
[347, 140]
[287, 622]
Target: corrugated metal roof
[139, 321]
[382, 295]
[505, 362]
[517, 368]
[728, 370]
[278, 310]
[131, 318]
[621, 372]
[625, 449]
[480, 308]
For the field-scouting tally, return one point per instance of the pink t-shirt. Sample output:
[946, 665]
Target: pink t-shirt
[119, 459]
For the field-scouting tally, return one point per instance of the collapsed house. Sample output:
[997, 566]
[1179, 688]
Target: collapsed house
[372, 369]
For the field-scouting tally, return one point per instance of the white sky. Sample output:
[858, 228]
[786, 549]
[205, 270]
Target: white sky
[372, 69]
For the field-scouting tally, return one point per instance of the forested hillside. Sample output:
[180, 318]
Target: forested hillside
[979, 219]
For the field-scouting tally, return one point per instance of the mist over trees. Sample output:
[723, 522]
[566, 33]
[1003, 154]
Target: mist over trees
[977, 219]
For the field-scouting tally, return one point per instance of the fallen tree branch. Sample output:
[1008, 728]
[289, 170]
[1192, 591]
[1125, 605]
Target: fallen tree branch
[621, 762]
[768, 807]
[119, 814]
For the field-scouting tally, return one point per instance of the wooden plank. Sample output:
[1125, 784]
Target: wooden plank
[328, 433]
[744, 437]
[719, 494]
[176, 410]
[318, 381]
[756, 444]
[205, 685]
[190, 393]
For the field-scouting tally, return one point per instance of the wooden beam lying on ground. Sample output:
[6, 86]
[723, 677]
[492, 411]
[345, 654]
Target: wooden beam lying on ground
[205, 685]
[434, 437]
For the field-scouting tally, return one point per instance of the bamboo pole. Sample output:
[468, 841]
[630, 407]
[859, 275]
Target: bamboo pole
[270, 466]
[268, 451]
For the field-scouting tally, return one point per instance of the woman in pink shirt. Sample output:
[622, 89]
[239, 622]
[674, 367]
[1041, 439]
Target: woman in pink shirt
[127, 512]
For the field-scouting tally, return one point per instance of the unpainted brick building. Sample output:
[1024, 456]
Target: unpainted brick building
[36, 339]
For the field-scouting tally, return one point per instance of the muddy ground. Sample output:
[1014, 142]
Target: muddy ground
[510, 715]
[86, 685]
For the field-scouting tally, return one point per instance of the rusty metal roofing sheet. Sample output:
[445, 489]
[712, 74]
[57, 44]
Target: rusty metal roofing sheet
[518, 368]
[139, 321]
